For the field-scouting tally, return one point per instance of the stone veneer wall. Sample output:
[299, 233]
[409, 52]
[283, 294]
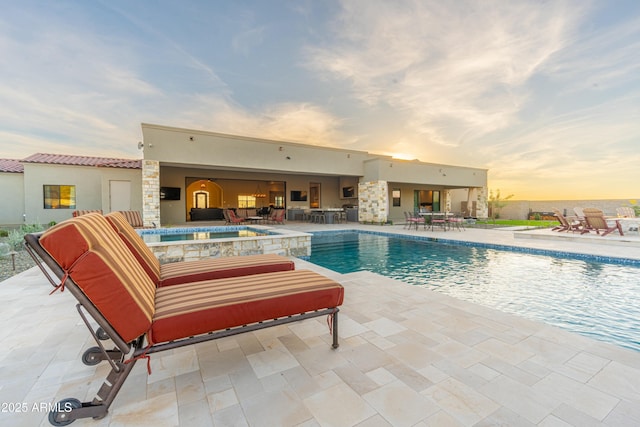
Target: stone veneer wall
[482, 198]
[293, 245]
[151, 193]
[373, 201]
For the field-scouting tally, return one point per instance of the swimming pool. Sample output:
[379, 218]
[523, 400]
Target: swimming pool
[593, 298]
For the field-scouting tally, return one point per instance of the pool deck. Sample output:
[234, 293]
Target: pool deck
[408, 356]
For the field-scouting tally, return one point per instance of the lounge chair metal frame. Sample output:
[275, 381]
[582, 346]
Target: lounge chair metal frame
[125, 354]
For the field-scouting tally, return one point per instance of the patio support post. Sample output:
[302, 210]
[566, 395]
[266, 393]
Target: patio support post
[151, 193]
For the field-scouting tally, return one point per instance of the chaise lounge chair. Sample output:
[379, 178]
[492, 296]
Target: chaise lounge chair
[596, 221]
[85, 211]
[134, 218]
[112, 288]
[277, 216]
[191, 271]
[626, 212]
[565, 225]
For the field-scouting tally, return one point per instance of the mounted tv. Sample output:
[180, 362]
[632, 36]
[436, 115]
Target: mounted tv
[169, 193]
[298, 196]
[348, 192]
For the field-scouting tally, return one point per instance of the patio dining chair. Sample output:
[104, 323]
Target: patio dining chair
[455, 220]
[439, 219]
[420, 220]
[233, 218]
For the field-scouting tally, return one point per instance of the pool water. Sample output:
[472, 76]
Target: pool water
[592, 298]
[179, 235]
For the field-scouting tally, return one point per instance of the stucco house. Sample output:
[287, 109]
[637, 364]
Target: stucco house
[187, 175]
[49, 187]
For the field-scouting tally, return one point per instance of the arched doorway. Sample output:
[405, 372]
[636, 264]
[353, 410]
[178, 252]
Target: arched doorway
[202, 194]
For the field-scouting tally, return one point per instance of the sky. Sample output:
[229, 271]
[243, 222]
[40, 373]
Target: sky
[543, 94]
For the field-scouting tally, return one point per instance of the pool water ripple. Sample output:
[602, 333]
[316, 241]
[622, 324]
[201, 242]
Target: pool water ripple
[591, 298]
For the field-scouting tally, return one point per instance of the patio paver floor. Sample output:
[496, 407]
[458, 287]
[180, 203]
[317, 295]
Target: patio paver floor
[408, 356]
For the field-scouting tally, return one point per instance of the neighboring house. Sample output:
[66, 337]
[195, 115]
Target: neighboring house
[189, 173]
[12, 190]
[52, 186]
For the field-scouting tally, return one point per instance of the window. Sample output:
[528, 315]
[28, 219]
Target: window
[395, 195]
[246, 201]
[59, 196]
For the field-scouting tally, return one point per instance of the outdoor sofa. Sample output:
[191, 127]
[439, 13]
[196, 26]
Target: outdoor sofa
[111, 287]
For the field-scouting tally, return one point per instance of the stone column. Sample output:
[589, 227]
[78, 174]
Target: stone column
[151, 193]
[373, 201]
[482, 208]
[446, 194]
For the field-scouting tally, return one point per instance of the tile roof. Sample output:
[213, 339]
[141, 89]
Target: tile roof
[11, 165]
[64, 159]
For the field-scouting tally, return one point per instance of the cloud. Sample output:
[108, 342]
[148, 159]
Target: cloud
[463, 66]
[288, 121]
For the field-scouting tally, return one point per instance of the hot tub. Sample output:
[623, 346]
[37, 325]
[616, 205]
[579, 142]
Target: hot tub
[174, 244]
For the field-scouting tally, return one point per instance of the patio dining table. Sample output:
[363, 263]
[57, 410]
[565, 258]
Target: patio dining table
[255, 219]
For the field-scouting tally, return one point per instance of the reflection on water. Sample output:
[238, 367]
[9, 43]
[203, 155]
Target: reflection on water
[592, 298]
[201, 235]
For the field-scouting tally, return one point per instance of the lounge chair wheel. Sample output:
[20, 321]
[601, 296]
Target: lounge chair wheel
[60, 417]
[102, 335]
[92, 356]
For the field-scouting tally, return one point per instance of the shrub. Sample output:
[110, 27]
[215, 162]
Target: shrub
[16, 237]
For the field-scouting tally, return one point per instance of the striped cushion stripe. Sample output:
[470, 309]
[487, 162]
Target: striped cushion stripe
[86, 211]
[133, 217]
[219, 268]
[196, 308]
[136, 245]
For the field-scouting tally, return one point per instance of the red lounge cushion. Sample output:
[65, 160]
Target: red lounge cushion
[219, 268]
[93, 255]
[197, 308]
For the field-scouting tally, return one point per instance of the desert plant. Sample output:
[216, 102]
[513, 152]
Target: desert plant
[31, 228]
[15, 239]
[16, 236]
[496, 202]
